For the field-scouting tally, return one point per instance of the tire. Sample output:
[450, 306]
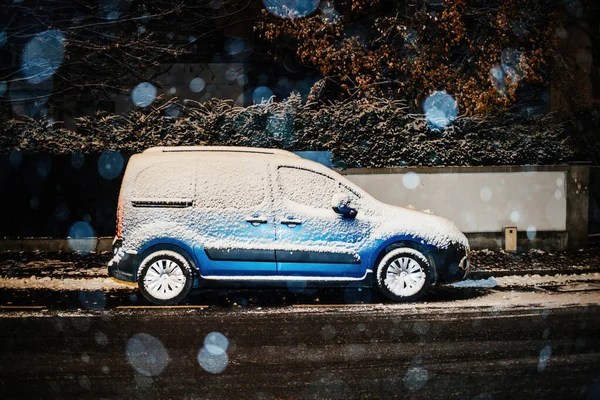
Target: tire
[165, 277]
[403, 275]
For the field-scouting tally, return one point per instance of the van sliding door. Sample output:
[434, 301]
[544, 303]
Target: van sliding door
[233, 217]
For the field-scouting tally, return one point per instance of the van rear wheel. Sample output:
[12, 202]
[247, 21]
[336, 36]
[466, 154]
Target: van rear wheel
[165, 277]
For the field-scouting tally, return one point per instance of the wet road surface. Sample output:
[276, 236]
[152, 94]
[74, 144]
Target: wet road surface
[283, 351]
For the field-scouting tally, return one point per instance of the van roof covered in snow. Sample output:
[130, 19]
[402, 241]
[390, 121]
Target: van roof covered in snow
[172, 173]
[220, 149]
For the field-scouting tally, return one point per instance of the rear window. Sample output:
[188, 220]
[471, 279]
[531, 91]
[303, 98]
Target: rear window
[238, 184]
[169, 180]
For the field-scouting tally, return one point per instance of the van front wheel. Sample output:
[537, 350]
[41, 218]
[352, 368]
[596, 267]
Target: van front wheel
[403, 275]
[165, 277]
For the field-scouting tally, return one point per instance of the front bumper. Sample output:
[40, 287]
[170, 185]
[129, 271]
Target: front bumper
[123, 264]
[452, 264]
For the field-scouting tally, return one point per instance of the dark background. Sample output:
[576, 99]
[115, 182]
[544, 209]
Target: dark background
[47, 206]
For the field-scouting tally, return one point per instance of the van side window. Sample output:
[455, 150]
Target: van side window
[309, 188]
[227, 184]
[170, 180]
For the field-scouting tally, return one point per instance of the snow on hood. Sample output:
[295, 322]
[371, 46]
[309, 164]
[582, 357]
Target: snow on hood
[434, 230]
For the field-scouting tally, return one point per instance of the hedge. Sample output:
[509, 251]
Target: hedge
[376, 134]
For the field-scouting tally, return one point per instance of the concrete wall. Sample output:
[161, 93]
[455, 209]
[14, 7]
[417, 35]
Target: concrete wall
[543, 202]
[477, 201]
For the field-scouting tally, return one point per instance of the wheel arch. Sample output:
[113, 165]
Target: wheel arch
[178, 247]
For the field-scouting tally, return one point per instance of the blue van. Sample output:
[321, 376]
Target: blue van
[204, 216]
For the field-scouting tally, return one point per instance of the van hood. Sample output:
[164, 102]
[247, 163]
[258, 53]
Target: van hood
[434, 230]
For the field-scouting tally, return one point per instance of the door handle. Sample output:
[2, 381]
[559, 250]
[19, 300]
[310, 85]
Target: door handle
[291, 222]
[256, 220]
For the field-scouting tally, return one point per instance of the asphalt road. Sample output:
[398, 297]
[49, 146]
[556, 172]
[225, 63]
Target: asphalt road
[284, 352]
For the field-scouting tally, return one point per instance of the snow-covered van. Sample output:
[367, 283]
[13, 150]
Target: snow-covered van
[204, 216]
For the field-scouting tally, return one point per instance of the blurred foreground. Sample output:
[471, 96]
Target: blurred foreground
[513, 346]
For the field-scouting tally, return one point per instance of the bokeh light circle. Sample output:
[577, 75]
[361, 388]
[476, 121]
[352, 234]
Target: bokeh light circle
[197, 85]
[42, 56]
[486, 194]
[217, 339]
[143, 94]
[544, 358]
[498, 78]
[113, 9]
[82, 237]
[213, 359]
[416, 378]
[235, 46]
[558, 194]
[531, 232]
[291, 8]
[261, 94]
[411, 180]
[146, 354]
[110, 164]
[440, 110]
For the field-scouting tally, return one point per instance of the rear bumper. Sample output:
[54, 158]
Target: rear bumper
[122, 266]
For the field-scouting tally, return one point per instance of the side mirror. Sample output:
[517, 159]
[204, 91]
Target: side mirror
[340, 203]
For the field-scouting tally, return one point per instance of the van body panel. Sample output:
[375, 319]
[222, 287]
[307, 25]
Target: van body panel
[222, 240]
[225, 238]
[234, 267]
[312, 239]
[308, 249]
[233, 219]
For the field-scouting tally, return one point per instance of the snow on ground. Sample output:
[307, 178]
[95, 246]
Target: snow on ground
[34, 282]
[105, 283]
[476, 283]
[501, 304]
[526, 281]
[503, 300]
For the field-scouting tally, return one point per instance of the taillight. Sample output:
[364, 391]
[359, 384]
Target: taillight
[120, 209]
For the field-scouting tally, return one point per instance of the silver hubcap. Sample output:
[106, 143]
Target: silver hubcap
[164, 279]
[404, 277]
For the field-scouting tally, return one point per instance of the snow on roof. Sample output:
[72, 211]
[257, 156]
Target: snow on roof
[218, 149]
[220, 157]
